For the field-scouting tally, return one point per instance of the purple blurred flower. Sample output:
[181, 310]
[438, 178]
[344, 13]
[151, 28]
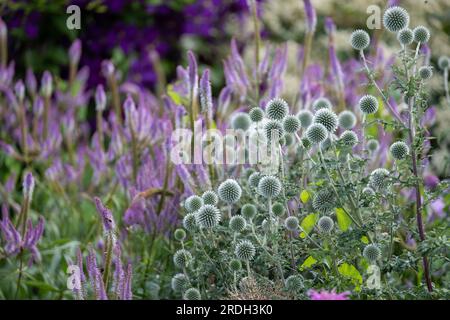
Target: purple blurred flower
[106, 215]
[327, 295]
[311, 19]
[75, 52]
[205, 93]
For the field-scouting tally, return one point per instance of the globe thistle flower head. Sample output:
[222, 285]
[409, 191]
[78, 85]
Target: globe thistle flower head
[208, 216]
[327, 118]
[179, 282]
[278, 209]
[179, 235]
[324, 201]
[273, 130]
[245, 250]
[372, 253]
[306, 143]
[399, 150]
[349, 138]
[373, 145]
[277, 109]
[291, 223]
[325, 224]
[229, 191]
[291, 124]
[368, 191]
[241, 121]
[192, 294]
[379, 179]
[182, 258]
[347, 120]
[193, 203]
[444, 62]
[425, 72]
[321, 103]
[316, 133]
[305, 117]
[269, 187]
[248, 211]
[421, 34]
[210, 197]
[256, 114]
[294, 283]
[359, 39]
[235, 265]
[368, 104]
[395, 19]
[189, 222]
[289, 139]
[254, 178]
[237, 224]
[405, 36]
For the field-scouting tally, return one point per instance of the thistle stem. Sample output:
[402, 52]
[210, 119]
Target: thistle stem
[447, 93]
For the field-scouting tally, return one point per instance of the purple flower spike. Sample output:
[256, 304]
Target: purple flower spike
[28, 186]
[205, 93]
[30, 81]
[327, 295]
[75, 52]
[107, 68]
[19, 90]
[106, 215]
[193, 73]
[46, 84]
[127, 295]
[100, 98]
[311, 19]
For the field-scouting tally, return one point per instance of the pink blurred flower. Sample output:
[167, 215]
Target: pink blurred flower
[327, 295]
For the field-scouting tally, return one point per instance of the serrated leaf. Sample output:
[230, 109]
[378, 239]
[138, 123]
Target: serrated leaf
[348, 270]
[308, 223]
[365, 240]
[343, 219]
[304, 196]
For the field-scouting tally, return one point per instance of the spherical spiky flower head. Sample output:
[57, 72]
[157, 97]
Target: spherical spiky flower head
[294, 283]
[248, 211]
[269, 186]
[208, 216]
[273, 130]
[256, 114]
[324, 201]
[373, 145]
[368, 104]
[179, 282]
[291, 223]
[179, 235]
[230, 191]
[399, 150]
[189, 222]
[210, 197]
[245, 250]
[193, 203]
[325, 224]
[291, 124]
[192, 294]
[289, 139]
[321, 103]
[278, 209]
[241, 121]
[277, 109]
[182, 258]
[359, 39]
[444, 62]
[235, 265]
[306, 143]
[405, 36]
[327, 118]
[395, 19]
[347, 120]
[372, 253]
[305, 117]
[349, 138]
[237, 224]
[379, 179]
[316, 133]
[368, 192]
[425, 72]
[421, 34]
[254, 178]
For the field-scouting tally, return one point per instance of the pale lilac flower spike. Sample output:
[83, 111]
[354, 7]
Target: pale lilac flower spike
[28, 186]
[327, 295]
[106, 215]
